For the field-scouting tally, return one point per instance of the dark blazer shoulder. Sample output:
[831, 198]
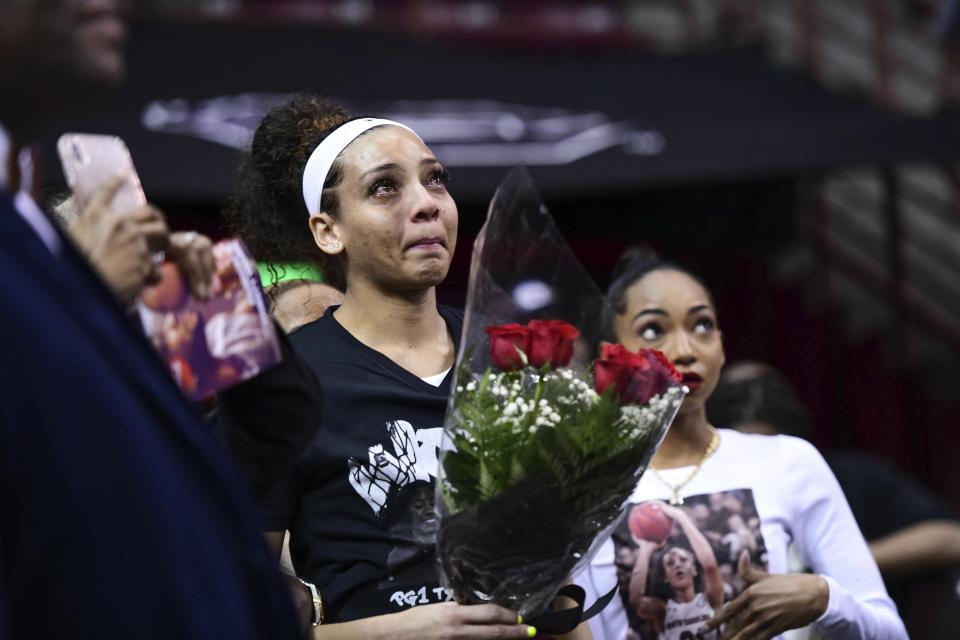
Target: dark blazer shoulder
[96, 441]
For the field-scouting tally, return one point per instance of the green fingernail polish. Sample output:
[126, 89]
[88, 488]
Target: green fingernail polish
[519, 619]
[531, 632]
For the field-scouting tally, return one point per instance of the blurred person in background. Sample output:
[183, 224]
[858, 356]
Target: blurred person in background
[662, 306]
[910, 533]
[366, 201]
[121, 517]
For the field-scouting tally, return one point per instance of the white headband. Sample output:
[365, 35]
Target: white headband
[323, 157]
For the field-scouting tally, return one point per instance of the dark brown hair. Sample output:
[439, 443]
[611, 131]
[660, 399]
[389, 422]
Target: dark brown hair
[266, 209]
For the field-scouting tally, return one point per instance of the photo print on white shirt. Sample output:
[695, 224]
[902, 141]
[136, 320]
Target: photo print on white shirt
[678, 565]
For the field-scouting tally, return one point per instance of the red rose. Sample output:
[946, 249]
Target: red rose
[505, 339]
[626, 372]
[635, 377]
[667, 365]
[551, 341]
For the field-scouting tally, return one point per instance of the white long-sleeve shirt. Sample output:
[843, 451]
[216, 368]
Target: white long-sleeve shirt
[797, 499]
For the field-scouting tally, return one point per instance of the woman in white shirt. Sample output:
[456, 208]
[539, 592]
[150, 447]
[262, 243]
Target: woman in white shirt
[769, 491]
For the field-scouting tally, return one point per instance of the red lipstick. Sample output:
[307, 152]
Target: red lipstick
[692, 381]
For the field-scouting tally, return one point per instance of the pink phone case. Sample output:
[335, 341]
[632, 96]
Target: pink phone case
[90, 160]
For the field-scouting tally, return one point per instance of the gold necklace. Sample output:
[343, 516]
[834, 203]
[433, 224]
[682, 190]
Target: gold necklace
[675, 499]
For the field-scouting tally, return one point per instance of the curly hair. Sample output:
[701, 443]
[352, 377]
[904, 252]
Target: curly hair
[266, 209]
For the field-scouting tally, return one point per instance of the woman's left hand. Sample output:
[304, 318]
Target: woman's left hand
[771, 604]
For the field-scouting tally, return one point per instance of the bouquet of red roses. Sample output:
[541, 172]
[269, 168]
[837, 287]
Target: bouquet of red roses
[544, 442]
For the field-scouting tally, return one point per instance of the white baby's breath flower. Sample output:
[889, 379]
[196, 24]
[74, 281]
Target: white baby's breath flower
[549, 419]
[631, 414]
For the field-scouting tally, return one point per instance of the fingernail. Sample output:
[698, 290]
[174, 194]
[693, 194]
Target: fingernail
[519, 619]
[531, 632]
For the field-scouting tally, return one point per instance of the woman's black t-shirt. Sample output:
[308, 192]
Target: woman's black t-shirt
[359, 504]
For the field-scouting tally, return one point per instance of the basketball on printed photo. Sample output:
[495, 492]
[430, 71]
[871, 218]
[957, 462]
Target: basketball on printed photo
[647, 521]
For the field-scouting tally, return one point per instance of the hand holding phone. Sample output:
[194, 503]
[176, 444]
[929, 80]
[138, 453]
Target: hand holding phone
[115, 219]
[120, 245]
[90, 161]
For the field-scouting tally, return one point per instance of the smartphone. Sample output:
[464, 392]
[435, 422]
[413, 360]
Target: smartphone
[90, 160]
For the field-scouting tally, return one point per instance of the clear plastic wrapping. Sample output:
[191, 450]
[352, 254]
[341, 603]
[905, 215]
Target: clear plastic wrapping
[545, 438]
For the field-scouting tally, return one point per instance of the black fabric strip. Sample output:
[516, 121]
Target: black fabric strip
[557, 623]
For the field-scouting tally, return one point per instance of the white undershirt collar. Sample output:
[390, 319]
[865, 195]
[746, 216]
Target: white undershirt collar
[436, 380]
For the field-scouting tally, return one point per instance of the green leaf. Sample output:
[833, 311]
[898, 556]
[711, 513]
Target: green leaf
[488, 487]
[517, 472]
[523, 356]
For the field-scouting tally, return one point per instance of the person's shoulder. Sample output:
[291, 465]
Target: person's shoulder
[779, 452]
[771, 445]
[20, 246]
[739, 443]
[318, 338]
[794, 448]
[452, 315]
[315, 327]
[6, 205]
